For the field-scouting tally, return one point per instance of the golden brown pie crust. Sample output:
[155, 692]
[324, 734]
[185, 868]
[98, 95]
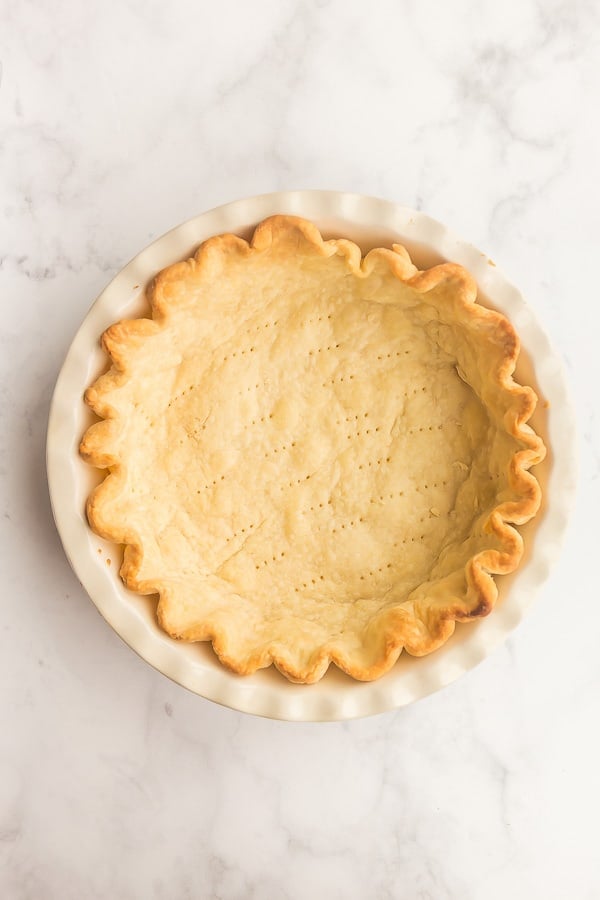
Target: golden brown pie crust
[313, 457]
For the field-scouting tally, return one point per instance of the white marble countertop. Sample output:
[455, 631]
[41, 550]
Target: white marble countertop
[118, 122]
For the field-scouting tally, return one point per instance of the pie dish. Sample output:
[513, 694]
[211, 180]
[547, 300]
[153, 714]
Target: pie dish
[313, 457]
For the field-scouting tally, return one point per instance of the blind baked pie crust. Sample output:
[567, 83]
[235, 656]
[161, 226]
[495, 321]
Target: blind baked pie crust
[313, 457]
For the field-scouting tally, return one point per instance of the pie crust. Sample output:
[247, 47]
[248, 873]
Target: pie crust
[313, 457]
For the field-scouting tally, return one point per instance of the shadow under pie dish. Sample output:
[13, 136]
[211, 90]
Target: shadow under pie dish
[313, 457]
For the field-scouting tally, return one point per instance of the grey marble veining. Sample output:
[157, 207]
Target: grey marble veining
[117, 122]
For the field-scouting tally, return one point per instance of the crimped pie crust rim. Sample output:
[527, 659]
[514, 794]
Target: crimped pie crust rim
[479, 569]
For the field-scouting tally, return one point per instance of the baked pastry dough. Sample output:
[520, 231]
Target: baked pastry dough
[313, 457]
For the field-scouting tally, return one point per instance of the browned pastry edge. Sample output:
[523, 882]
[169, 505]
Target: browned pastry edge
[429, 626]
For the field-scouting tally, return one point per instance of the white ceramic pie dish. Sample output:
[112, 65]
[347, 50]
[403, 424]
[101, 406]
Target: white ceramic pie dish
[370, 222]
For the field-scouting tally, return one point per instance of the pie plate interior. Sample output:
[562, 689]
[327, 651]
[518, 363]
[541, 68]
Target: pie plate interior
[370, 222]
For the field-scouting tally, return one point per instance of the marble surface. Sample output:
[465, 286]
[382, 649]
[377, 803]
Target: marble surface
[117, 122]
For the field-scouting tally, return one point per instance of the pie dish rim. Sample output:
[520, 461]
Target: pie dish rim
[278, 699]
